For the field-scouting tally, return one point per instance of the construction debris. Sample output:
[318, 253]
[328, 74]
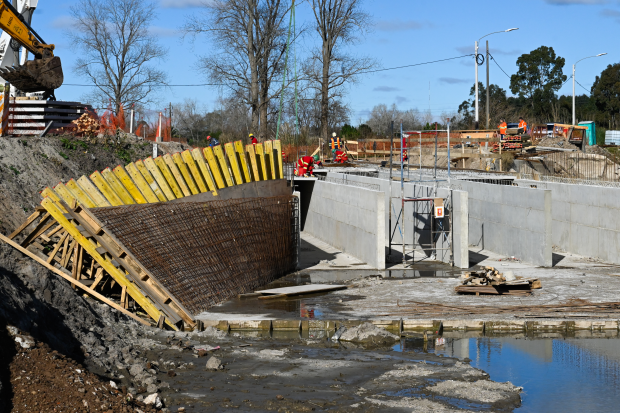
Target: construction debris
[491, 281]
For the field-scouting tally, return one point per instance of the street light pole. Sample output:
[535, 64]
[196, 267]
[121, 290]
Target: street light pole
[476, 64]
[600, 54]
[487, 125]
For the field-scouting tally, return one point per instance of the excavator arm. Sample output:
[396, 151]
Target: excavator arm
[44, 73]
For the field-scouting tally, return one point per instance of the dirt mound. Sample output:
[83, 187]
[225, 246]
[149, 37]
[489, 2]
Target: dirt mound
[556, 143]
[42, 379]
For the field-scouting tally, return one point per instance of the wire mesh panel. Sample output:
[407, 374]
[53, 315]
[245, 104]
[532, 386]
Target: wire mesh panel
[207, 252]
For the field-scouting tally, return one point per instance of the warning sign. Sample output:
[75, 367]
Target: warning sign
[439, 208]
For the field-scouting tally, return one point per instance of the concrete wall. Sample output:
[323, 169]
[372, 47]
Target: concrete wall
[350, 219]
[586, 219]
[419, 227]
[510, 220]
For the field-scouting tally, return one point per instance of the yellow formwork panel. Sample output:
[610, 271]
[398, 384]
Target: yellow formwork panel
[92, 192]
[234, 165]
[277, 151]
[124, 178]
[143, 171]
[241, 158]
[219, 155]
[159, 177]
[105, 189]
[80, 195]
[117, 186]
[260, 153]
[165, 171]
[271, 170]
[249, 149]
[215, 168]
[48, 193]
[178, 177]
[91, 248]
[64, 193]
[189, 179]
[191, 164]
[204, 169]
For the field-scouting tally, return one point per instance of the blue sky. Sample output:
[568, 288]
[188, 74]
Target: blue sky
[405, 32]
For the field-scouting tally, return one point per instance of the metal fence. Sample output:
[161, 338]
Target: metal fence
[571, 165]
[207, 252]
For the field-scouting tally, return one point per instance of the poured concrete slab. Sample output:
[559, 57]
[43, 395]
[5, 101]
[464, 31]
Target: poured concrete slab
[303, 289]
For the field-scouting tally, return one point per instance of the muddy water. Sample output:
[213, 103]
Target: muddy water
[557, 374]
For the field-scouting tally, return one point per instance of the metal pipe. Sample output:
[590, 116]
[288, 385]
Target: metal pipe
[390, 185]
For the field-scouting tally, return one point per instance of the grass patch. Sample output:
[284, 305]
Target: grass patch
[14, 169]
[64, 155]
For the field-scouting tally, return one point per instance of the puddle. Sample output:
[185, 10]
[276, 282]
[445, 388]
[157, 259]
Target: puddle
[557, 374]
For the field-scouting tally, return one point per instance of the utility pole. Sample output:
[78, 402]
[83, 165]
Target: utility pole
[476, 120]
[170, 113]
[487, 124]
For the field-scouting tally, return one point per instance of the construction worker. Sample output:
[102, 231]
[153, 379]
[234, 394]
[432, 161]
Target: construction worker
[317, 160]
[522, 125]
[502, 129]
[212, 141]
[335, 144]
[253, 139]
[305, 166]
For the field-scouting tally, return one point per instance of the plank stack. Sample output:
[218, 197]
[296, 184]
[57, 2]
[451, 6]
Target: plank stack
[490, 281]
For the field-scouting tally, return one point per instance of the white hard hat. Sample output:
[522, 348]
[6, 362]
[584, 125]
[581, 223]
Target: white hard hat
[334, 134]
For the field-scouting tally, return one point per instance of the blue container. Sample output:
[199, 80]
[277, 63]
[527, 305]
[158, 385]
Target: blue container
[591, 132]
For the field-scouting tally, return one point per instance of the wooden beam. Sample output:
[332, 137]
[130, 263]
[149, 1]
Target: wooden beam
[187, 177]
[41, 227]
[219, 154]
[176, 173]
[168, 176]
[23, 226]
[191, 164]
[92, 191]
[125, 180]
[57, 247]
[234, 165]
[204, 169]
[98, 277]
[158, 176]
[242, 158]
[105, 188]
[72, 281]
[80, 195]
[117, 186]
[250, 150]
[214, 167]
[139, 169]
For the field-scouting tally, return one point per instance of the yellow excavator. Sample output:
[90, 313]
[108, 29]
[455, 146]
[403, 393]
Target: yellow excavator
[44, 73]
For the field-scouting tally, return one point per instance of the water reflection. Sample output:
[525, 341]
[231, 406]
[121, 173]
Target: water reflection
[557, 374]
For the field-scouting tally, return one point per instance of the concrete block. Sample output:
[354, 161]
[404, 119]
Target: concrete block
[223, 325]
[210, 323]
[504, 325]
[326, 325]
[546, 325]
[452, 325]
[286, 325]
[580, 325]
[348, 323]
[249, 324]
[605, 325]
[421, 325]
[392, 325]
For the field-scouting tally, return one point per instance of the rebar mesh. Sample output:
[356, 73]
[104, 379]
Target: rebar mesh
[207, 252]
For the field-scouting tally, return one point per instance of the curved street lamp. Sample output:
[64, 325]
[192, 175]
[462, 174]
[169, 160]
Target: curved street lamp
[476, 64]
[600, 54]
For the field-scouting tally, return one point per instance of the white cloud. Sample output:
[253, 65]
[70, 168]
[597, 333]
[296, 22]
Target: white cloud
[181, 4]
[63, 22]
[397, 25]
[385, 89]
[401, 99]
[163, 31]
[453, 80]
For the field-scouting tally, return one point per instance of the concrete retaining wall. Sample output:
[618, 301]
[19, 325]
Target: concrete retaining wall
[586, 219]
[350, 219]
[419, 228]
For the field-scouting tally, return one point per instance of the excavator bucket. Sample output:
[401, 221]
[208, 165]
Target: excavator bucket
[36, 75]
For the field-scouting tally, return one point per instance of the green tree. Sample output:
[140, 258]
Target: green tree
[539, 77]
[349, 132]
[497, 105]
[606, 94]
[365, 131]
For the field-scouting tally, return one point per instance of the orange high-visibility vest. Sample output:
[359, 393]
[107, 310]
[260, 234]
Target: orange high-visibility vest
[523, 125]
[335, 143]
[502, 128]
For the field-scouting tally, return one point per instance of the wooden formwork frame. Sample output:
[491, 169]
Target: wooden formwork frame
[67, 236]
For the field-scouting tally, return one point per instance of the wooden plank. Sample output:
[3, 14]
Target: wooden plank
[234, 165]
[187, 176]
[80, 195]
[204, 169]
[106, 189]
[123, 177]
[118, 187]
[92, 191]
[49, 192]
[52, 232]
[41, 227]
[178, 177]
[57, 247]
[72, 281]
[124, 297]
[147, 192]
[260, 152]
[219, 155]
[214, 167]
[249, 149]
[271, 170]
[167, 174]
[98, 277]
[242, 159]
[114, 272]
[64, 193]
[277, 149]
[36, 214]
[191, 164]
[159, 177]
[303, 289]
[64, 259]
[151, 181]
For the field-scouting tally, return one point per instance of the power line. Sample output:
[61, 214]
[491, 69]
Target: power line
[500, 68]
[417, 64]
[199, 84]
[582, 86]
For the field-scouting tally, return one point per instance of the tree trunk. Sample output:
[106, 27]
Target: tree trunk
[325, 90]
[254, 104]
[264, 106]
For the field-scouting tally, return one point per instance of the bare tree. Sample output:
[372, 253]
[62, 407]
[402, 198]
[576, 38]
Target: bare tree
[338, 23]
[118, 51]
[250, 41]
